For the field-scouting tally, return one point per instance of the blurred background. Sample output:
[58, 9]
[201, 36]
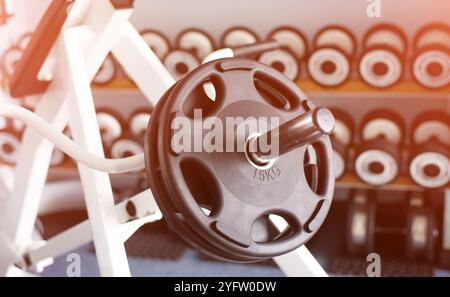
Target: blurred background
[382, 66]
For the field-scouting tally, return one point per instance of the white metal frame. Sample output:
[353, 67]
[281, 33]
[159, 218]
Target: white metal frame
[93, 29]
[446, 223]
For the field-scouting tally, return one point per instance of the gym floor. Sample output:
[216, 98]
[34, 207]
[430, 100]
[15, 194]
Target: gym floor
[156, 251]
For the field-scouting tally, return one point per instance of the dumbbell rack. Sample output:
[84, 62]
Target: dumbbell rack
[354, 93]
[362, 99]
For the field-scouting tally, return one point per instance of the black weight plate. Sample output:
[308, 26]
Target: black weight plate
[312, 212]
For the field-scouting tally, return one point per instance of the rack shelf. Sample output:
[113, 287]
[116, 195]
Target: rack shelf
[401, 183]
[348, 181]
[353, 86]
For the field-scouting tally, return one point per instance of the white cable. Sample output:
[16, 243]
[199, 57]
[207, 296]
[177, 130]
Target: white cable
[68, 146]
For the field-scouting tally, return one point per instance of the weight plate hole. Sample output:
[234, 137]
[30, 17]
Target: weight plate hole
[103, 131]
[202, 185]
[194, 51]
[311, 171]
[8, 148]
[431, 170]
[315, 168]
[182, 68]
[308, 224]
[131, 209]
[376, 167]
[207, 97]
[380, 69]
[279, 66]
[275, 94]
[127, 154]
[272, 227]
[329, 67]
[435, 69]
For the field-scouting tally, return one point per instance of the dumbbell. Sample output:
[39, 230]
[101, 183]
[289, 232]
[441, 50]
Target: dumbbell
[157, 42]
[379, 153]
[4, 124]
[107, 72]
[283, 61]
[429, 164]
[293, 52]
[292, 39]
[11, 133]
[330, 63]
[10, 59]
[382, 63]
[125, 147]
[431, 58]
[111, 127]
[130, 141]
[238, 36]
[361, 224]
[341, 140]
[196, 41]
[12, 55]
[9, 146]
[420, 227]
[24, 40]
[58, 158]
[180, 62]
[138, 122]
